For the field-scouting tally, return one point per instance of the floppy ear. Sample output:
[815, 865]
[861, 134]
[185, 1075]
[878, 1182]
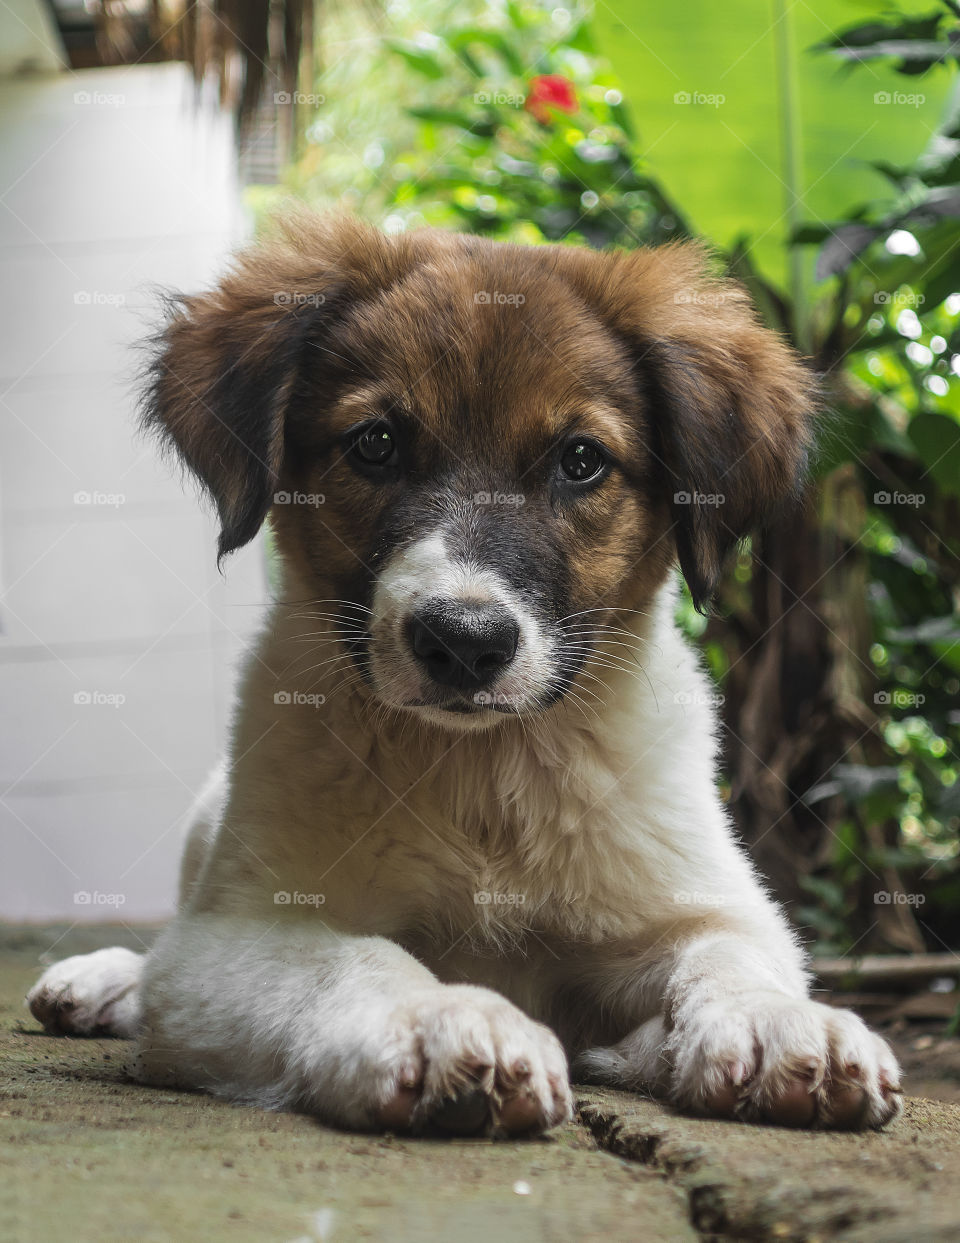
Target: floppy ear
[729, 403]
[224, 368]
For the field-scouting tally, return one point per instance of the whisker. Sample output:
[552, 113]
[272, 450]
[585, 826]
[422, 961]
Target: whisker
[587, 644]
[341, 658]
[610, 608]
[305, 655]
[591, 655]
[607, 630]
[348, 636]
[334, 618]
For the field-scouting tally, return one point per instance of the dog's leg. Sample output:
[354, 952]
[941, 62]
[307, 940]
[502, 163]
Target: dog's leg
[90, 994]
[352, 1029]
[738, 1036]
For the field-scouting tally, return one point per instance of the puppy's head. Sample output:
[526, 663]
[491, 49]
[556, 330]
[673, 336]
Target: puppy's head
[479, 455]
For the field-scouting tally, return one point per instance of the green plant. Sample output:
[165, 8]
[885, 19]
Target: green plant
[491, 156]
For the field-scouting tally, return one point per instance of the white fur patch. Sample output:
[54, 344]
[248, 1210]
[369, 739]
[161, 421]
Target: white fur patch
[426, 571]
[90, 992]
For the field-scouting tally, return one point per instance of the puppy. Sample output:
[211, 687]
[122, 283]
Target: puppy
[468, 823]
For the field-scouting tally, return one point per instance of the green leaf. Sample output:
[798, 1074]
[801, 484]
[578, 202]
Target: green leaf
[725, 163]
[897, 175]
[855, 36]
[941, 201]
[462, 41]
[845, 435]
[938, 288]
[417, 58]
[937, 440]
[845, 243]
[810, 234]
[450, 116]
[581, 38]
[933, 630]
[926, 52]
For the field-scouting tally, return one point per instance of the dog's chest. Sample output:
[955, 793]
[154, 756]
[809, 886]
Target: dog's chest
[487, 838]
[490, 854]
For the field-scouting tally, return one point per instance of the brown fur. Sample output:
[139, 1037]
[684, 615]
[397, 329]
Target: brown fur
[662, 360]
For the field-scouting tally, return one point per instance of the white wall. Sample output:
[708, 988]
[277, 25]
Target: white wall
[110, 184]
[29, 39]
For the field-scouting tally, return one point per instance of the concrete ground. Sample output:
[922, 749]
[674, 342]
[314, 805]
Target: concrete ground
[88, 1155]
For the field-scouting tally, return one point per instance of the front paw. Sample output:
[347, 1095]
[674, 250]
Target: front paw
[761, 1057]
[90, 994]
[768, 1058]
[465, 1061]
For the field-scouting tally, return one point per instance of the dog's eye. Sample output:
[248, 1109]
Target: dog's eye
[375, 445]
[582, 460]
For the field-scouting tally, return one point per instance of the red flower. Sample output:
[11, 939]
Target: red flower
[550, 90]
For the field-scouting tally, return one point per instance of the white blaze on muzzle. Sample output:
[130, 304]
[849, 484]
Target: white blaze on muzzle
[424, 576]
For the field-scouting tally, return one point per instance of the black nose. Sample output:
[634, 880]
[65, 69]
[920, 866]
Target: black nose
[464, 645]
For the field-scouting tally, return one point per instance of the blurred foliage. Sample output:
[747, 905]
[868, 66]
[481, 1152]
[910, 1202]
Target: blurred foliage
[889, 326]
[708, 93]
[916, 42]
[501, 119]
[522, 167]
[471, 154]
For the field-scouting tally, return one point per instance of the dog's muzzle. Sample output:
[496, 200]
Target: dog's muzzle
[463, 646]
